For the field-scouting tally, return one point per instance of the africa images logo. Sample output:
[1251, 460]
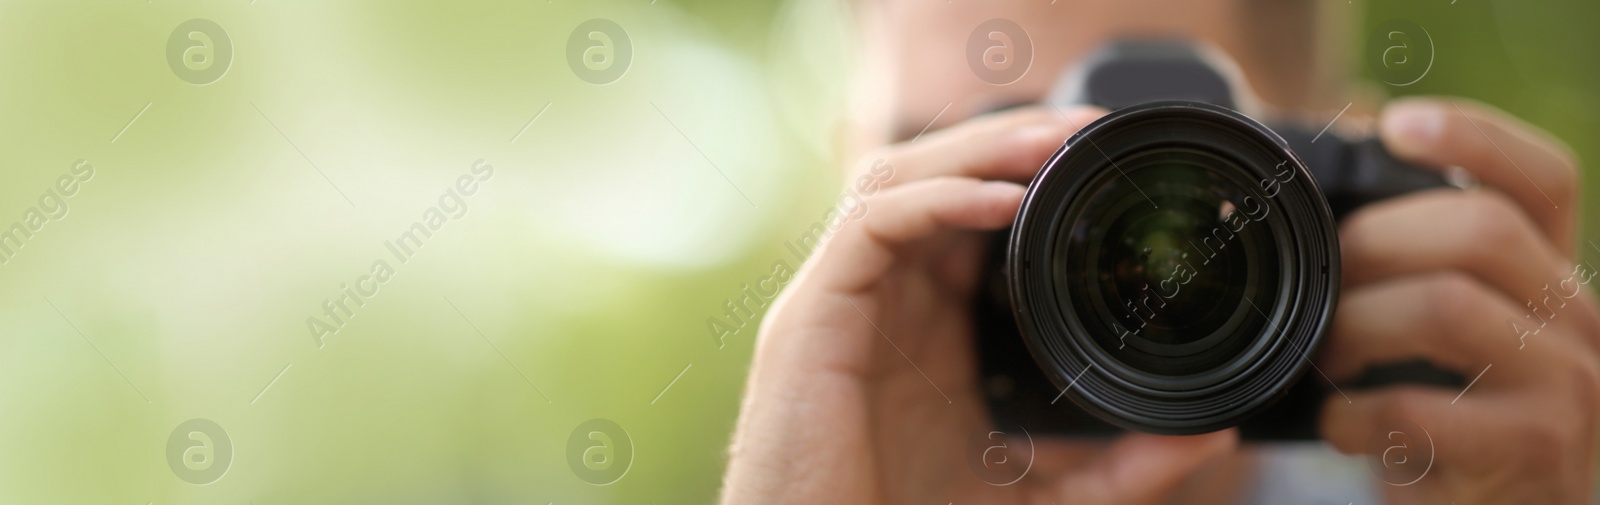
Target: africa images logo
[1001, 455]
[599, 452]
[599, 51]
[999, 51]
[199, 51]
[1402, 452]
[1400, 52]
[199, 451]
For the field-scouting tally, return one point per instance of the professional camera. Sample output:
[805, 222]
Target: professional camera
[1175, 265]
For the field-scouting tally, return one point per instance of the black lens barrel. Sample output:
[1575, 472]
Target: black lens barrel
[1288, 294]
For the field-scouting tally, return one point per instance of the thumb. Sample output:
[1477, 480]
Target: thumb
[1143, 469]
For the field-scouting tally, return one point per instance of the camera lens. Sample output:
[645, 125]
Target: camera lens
[1162, 263]
[1172, 267]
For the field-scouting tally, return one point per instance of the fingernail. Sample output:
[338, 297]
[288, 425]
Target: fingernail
[1002, 188]
[1414, 124]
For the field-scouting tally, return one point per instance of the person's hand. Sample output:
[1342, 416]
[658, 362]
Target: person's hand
[864, 388]
[1482, 282]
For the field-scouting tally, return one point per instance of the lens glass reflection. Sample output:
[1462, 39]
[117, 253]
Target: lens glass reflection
[1170, 261]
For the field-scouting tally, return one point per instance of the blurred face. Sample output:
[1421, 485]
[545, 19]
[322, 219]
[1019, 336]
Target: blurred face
[920, 52]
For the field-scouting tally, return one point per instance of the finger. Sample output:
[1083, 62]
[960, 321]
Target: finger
[1008, 146]
[1441, 428]
[1142, 469]
[1449, 319]
[854, 258]
[1349, 425]
[1498, 149]
[861, 252]
[1478, 232]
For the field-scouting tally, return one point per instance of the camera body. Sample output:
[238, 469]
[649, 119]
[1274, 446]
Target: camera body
[1049, 330]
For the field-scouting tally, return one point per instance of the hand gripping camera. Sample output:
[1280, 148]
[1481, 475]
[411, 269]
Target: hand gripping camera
[1175, 265]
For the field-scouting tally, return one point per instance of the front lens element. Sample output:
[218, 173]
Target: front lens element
[1166, 259]
[1172, 266]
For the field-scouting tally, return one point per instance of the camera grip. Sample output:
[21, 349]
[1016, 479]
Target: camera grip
[1356, 173]
[1350, 174]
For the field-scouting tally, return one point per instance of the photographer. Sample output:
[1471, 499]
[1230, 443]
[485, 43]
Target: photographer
[864, 387]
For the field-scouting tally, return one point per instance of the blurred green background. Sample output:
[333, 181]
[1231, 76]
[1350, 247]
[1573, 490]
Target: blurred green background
[575, 286]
